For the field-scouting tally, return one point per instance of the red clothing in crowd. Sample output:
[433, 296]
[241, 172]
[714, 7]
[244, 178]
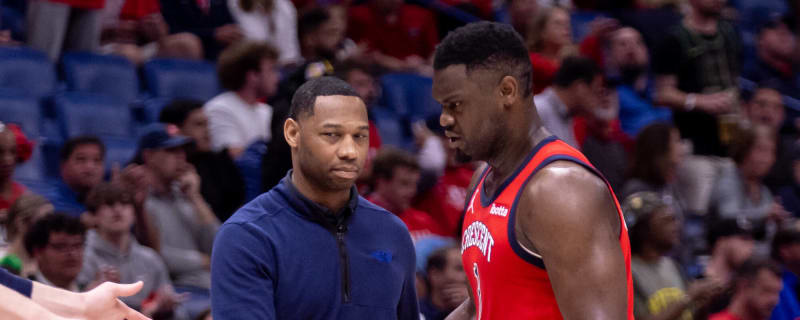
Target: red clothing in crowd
[724, 315]
[83, 4]
[419, 223]
[138, 9]
[544, 70]
[17, 190]
[412, 33]
[445, 201]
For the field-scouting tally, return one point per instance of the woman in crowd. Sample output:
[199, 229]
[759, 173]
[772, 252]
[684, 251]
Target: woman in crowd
[23, 213]
[655, 164]
[549, 40]
[14, 149]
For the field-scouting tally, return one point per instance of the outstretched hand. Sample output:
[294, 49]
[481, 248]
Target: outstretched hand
[102, 303]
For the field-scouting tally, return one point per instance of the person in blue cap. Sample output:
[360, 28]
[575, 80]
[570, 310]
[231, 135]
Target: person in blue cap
[311, 247]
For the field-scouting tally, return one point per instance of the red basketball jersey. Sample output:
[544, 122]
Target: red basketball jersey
[509, 282]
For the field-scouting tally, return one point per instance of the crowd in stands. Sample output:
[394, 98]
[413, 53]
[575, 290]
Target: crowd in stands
[688, 107]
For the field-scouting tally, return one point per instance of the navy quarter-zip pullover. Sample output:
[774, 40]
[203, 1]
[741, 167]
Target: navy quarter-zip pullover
[282, 256]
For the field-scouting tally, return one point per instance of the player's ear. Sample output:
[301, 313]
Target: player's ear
[291, 131]
[509, 90]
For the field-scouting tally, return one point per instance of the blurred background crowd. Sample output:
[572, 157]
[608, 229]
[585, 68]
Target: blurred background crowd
[130, 129]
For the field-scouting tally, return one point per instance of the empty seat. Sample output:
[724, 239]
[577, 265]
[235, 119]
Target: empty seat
[175, 78]
[22, 110]
[27, 70]
[408, 95]
[88, 114]
[119, 151]
[103, 74]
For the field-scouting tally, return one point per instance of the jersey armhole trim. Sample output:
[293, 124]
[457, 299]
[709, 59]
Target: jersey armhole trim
[522, 252]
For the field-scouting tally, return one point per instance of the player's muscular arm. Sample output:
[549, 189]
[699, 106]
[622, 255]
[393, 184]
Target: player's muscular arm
[466, 311]
[568, 215]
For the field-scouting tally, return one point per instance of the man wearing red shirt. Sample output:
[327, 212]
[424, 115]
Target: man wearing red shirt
[68, 24]
[401, 36]
[758, 287]
[395, 176]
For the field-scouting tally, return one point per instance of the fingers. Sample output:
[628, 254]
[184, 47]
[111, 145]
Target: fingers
[125, 290]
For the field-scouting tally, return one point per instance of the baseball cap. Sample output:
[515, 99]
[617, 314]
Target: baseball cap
[640, 205]
[729, 227]
[766, 19]
[159, 136]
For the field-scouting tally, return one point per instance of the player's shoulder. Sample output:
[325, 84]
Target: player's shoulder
[566, 180]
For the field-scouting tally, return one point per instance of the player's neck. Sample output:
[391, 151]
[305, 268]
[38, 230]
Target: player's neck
[515, 150]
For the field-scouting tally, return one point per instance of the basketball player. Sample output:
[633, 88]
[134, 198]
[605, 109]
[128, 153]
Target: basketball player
[543, 236]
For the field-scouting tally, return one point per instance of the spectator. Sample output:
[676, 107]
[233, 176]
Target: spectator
[629, 62]
[447, 283]
[790, 195]
[765, 107]
[53, 25]
[446, 198]
[136, 30]
[401, 37]
[661, 290]
[656, 159]
[576, 89]
[236, 117]
[786, 250]
[271, 21]
[730, 242]
[222, 187]
[518, 14]
[209, 20]
[740, 191]
[185, 222]
[28, 209]
[320, 35]
[757, 288]
[549, 40]
[776, 50]
[14, 149]
[56, 242]
[114, 255]
[697, 72]
[81, 170]
[395, 175]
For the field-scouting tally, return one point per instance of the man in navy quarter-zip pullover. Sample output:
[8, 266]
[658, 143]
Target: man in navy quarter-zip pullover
[312, 248]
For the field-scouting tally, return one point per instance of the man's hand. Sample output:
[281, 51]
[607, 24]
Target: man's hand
[105, 274]
[101, 303]
[189, 182]
[228, 34]
[165, 301]
[455, 294]
[715, 103]
[702, 292]
[133, 178]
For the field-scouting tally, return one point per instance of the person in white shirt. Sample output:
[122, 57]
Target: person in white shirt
[272, 21]
[237, 117]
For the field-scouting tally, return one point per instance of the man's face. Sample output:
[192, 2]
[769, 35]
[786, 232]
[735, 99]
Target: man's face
[8, 154]
[166, 164]
[328, 37]
[778, 42]
[401, 188]
[84, 167]
[764, 293]
[766, 108]
[331, 145]
[471, 111]
[450, 278]
[196, 127]
[665, 229]
[628, 49]
[522, 11]
[364, 85]
[62, 258]
[709, 8]
[589, 95]
[116, 218]
[268, 77]
[761, 157]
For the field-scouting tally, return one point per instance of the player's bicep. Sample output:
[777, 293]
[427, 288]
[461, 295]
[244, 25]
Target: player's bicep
[572, 226]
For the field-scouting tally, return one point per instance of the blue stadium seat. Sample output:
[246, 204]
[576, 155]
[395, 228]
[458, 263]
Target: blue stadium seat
[174, 78]
[408, 95]
[391, 128]
[119, 151]
[102, 74]
[88, 114]
[22, 110]
[27, 70]
[151, 109]
[34, 169]
[580, 21]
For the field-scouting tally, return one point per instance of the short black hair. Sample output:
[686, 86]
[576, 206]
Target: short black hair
[487, 45]
[311, 20]
[305, 96]
[107, 194]
[574, 69]
[389, 158]
[784, 238]
[38, 235]
[177, 111]
[73, 143]
[751, 267]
